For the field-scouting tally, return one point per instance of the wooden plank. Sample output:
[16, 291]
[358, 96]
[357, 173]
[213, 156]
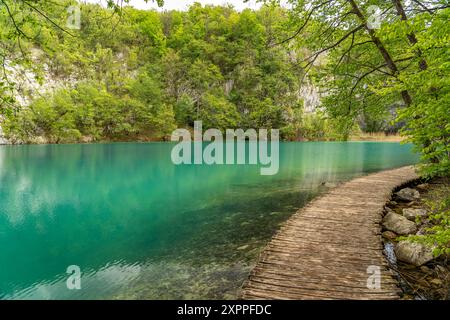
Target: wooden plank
[325, 249]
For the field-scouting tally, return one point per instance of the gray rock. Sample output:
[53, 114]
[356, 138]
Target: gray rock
[389, 235]
[408, 194]
[398, 224]
[423, 186]
[411, 214]
[413, 253]
[389, 210]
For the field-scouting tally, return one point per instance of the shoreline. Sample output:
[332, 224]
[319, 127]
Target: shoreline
[42, 140]
[168, 142]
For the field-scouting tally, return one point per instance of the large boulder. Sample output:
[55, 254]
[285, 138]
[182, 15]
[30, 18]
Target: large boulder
[412, 214]
[398, 224]
[408, 194]
[413, 253]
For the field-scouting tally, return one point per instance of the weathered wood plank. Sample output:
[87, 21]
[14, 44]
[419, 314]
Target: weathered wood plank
[325, 249]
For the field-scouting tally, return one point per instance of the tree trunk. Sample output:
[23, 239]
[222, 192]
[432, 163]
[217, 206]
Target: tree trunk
[381, 48]
[411, 36]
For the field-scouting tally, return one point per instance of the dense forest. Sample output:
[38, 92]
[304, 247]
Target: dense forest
[128, 74]
[144, 73]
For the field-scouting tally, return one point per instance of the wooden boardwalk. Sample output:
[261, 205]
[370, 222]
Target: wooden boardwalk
[325, 249]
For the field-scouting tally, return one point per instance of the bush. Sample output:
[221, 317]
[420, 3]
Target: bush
[90, 110]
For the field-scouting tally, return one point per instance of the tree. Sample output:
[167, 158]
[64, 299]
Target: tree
[365, 67]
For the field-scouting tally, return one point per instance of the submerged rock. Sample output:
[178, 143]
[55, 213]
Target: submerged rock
[413, 253]
[411, 214]
[408, 194]
[398, 224]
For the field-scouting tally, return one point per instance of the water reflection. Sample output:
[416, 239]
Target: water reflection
[141, 227]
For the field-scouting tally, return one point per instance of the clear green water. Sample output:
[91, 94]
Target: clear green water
[140, 227]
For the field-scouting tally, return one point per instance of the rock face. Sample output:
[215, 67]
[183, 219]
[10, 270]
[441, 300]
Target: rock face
[411, 214]
[399, 224]
[408, 194]
[3, 140]
[39, 140]
[413, 253]
[311, 97]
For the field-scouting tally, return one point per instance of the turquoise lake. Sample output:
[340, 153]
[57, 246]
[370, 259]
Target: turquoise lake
[140, 227]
